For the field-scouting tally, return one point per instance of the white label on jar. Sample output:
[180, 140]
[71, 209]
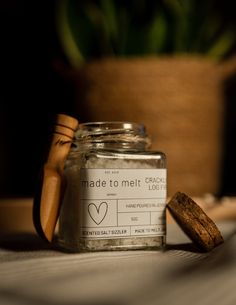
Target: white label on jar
[122, 202]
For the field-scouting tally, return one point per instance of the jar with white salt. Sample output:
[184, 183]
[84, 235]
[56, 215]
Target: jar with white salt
[115, 190]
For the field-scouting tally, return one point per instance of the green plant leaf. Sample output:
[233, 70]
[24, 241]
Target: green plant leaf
[156, 36]
[222, 45]
[110, 21]
[96, 28]
[68, 42]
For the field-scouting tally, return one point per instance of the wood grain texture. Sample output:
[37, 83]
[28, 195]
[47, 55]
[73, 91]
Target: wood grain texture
[51, 185]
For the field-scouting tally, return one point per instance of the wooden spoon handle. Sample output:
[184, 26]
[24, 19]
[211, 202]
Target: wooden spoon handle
[50, 191]
[61, 141]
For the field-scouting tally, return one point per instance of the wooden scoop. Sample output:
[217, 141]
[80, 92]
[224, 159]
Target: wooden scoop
[50, 189]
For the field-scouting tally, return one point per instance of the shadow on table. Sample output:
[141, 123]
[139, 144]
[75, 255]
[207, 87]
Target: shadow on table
[23, 242]
[220, 259]
[187, 247]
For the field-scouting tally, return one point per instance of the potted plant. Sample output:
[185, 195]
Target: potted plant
[158, 63]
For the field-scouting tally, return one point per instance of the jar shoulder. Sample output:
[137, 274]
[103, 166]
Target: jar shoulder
[120, 159]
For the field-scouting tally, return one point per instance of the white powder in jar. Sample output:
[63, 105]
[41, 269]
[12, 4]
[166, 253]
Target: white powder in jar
[86, 224]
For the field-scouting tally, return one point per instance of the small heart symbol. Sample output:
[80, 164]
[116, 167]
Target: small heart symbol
[98, 213]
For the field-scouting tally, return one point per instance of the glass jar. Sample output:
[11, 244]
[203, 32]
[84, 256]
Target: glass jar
[115, 190]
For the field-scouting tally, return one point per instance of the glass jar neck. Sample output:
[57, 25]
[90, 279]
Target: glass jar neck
[122, 136]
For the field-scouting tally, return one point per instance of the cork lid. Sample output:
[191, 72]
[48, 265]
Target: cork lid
[194, 222]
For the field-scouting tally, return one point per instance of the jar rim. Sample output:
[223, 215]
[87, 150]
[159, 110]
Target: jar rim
[109, 127]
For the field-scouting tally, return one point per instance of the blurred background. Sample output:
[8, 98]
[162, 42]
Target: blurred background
[45, 43]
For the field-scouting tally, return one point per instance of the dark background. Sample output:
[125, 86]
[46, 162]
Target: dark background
[32, 92]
